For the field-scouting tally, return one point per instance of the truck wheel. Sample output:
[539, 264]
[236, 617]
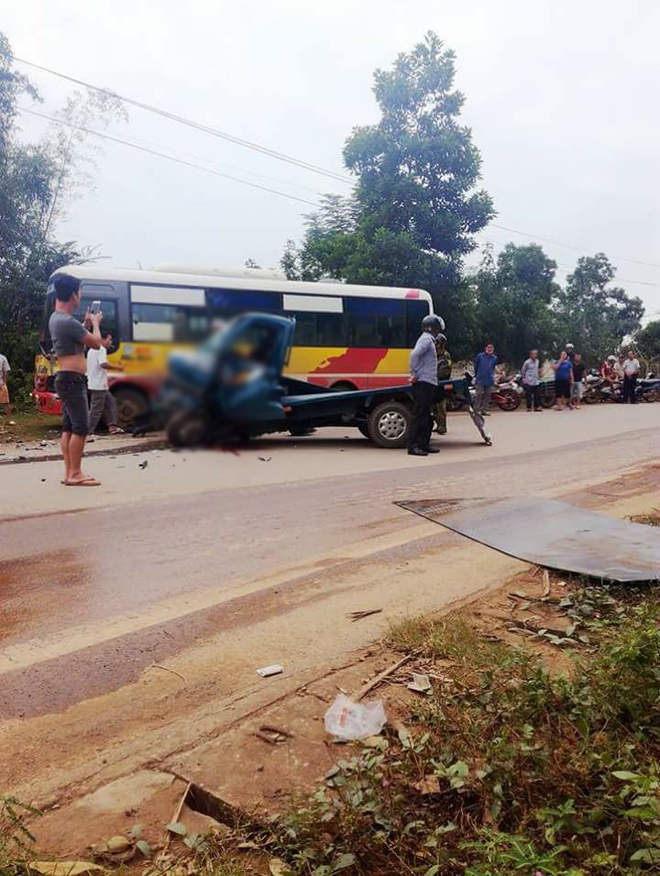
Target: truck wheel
[131, 403]
[187, 429]
[389, 424]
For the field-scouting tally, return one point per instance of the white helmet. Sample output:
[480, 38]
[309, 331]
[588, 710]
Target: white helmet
[570, 346]
[611, 358]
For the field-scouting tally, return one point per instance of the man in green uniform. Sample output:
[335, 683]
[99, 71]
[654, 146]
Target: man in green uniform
[444, 373]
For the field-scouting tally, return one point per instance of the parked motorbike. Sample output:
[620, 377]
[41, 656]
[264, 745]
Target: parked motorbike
[505, 395]
[601, 390]
[648, 390]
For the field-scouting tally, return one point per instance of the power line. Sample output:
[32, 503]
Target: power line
[571, 246]
[223, 135]
[168, 157]
[280, 156]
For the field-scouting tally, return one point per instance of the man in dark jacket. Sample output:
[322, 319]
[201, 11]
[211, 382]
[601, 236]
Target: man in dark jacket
[444, 373]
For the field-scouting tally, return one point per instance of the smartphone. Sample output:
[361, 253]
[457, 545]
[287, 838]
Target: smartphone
[96, 307]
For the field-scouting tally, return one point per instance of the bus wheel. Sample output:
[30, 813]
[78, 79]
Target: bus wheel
[131, 403]
[389, 424]
[187, 429]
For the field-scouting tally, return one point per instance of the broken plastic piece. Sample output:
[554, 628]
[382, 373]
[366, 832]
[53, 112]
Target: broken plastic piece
[273, 669]
[420, 683]
[348, 720]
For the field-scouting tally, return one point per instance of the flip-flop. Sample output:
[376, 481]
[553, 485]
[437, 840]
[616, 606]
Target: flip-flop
[85, 482]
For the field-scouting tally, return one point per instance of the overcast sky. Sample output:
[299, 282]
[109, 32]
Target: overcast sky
[562, 99]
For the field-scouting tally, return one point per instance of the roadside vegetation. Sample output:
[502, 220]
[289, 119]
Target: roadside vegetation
[507, 767]
[512, 764]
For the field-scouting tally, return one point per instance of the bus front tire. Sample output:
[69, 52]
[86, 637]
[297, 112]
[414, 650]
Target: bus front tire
[389, 424]
[131, 404]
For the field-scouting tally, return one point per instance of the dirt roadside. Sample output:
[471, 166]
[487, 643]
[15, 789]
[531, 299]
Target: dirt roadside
[127, 756]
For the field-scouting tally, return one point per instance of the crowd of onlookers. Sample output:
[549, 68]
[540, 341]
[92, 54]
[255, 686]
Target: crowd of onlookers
[569, 378]
[430, 364]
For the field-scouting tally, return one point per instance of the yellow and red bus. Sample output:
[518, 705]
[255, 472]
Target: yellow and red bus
[347, 336]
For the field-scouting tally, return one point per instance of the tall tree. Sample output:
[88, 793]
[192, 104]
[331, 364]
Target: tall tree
[35, 182]
[514, 294]
[591, 313]
[647, 340]
[416, 206]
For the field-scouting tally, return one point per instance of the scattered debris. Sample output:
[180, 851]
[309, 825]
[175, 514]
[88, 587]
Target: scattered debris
[273, 735]
[420, 683]
[428, 785]
[546, 583]
[405, 737]
[143, 464]
[273, 669]
[370, 685]
[64, 868]
[378, 742]
[358, 615]
[118, 849]
[265, 458]
[167, 669]
[175, 818]
[348, 720]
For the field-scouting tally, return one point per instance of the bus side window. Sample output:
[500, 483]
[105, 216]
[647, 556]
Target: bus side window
[305, 335]
[169, 323]
[375, 322]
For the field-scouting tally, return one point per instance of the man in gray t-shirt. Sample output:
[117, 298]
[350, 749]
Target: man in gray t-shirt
[70, 337]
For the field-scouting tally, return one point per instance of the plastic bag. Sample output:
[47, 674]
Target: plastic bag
[349, 720]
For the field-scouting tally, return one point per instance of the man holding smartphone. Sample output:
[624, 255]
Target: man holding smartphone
[70, 337]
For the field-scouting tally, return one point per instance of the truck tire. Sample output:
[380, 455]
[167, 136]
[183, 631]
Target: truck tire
[187, 429]
[131, 404]
[389, 424]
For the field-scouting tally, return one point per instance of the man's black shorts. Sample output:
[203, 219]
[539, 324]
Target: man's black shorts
[563, 388]
[71, 388]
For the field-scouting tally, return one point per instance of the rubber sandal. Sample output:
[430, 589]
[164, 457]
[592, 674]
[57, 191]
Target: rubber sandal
[86, 482]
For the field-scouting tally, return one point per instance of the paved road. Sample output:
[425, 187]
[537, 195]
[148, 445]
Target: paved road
[215, 563]
[193, 525]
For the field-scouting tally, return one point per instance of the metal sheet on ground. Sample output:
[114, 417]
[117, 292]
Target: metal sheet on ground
[553, 534]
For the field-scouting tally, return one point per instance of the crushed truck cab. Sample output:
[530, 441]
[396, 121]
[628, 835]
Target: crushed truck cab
[233, 388]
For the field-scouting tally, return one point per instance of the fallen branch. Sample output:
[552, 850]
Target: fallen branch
[370, 685]
[167, 669]
[358, 615]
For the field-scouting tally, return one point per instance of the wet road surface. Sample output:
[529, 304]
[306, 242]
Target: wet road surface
[88, 600]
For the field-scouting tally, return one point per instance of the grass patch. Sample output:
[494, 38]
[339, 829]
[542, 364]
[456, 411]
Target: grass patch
[15, 838]
[30, 425]
[506, 768]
